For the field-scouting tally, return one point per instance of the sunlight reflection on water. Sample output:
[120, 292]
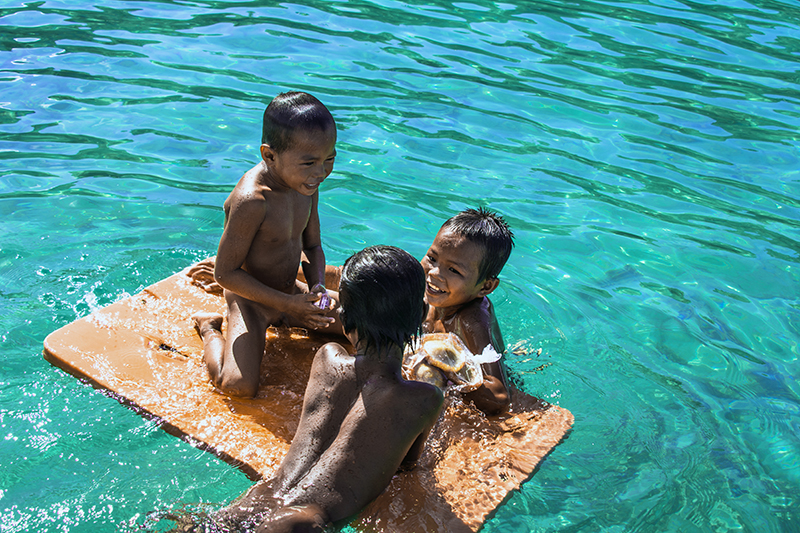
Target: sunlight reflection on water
[645, 155]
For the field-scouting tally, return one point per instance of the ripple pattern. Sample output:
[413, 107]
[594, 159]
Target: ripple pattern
[645, 152]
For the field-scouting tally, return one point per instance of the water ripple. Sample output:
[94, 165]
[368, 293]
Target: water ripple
[644, 152]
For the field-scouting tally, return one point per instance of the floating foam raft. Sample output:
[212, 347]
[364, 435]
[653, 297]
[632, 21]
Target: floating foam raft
[147, 353]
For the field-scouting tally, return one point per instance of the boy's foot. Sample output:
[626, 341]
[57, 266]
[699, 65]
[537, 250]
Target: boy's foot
[206, 323]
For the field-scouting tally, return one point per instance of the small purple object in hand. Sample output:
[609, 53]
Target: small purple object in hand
[324, 301]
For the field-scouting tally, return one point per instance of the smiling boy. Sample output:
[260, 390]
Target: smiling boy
[270, 219]
[461, 269]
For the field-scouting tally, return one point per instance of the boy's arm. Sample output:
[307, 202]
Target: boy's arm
[314, 269]
[433, 410]
[242, 224]
[492, 397]
[314, 264]
[315, 429]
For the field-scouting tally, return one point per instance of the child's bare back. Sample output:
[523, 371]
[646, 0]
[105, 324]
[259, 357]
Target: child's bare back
[351, 447]
[361, 420]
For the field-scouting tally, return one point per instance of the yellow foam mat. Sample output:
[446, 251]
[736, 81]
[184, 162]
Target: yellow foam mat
[146, 351]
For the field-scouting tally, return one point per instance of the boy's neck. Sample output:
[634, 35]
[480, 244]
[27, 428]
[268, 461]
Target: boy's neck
[387, 356]
[269, 179]
[448, 313]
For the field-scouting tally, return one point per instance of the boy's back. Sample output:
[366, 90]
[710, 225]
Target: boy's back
[361, 420]
[377, 422]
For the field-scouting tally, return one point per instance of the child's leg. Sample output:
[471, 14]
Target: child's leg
[234, 361]
[249, 510]
[209, 326]
[244, 345]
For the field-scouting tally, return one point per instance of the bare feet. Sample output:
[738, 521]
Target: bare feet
[209, 326]
[206, 323]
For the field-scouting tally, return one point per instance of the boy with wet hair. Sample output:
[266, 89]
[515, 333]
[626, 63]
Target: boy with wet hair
[360, 420]
[271, 219]
[461, 268]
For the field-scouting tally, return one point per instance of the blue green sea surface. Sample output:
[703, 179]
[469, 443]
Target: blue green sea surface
[645, 152]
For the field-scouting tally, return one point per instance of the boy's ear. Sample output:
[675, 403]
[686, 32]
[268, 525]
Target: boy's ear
[267, 153]
[488, 286]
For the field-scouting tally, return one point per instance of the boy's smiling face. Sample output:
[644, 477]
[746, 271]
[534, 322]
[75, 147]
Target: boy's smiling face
[451, 271]
[306, 163]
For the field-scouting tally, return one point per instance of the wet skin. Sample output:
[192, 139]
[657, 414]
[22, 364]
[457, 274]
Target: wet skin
[344, 453]
[271, 219]
[457, 302]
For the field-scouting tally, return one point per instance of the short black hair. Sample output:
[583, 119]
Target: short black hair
[382, 296]
[287, 113]
[488, 230]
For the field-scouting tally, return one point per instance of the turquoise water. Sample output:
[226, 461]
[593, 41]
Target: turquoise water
[646, 154]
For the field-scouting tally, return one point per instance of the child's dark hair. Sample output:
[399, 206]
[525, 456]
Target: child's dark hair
[289, 112]
[381, 291]
[488, 230]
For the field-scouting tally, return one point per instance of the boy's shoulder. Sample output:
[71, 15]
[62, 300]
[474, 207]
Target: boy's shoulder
[332, 363]
[253, 178]
[478, 311]
[255, 191]
[421, 388]
[333, 354]
[416, 399]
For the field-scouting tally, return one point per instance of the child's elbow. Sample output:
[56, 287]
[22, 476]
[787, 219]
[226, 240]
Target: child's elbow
[501, 403]
[221, 277]
[492, 397]
[494, 406]
[311, 249]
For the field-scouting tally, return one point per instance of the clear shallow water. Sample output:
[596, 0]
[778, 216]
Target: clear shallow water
[646, 154]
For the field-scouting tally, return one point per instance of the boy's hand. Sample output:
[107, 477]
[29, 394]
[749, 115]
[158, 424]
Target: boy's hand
[304, 308]
[325, 302]
[202, 275]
